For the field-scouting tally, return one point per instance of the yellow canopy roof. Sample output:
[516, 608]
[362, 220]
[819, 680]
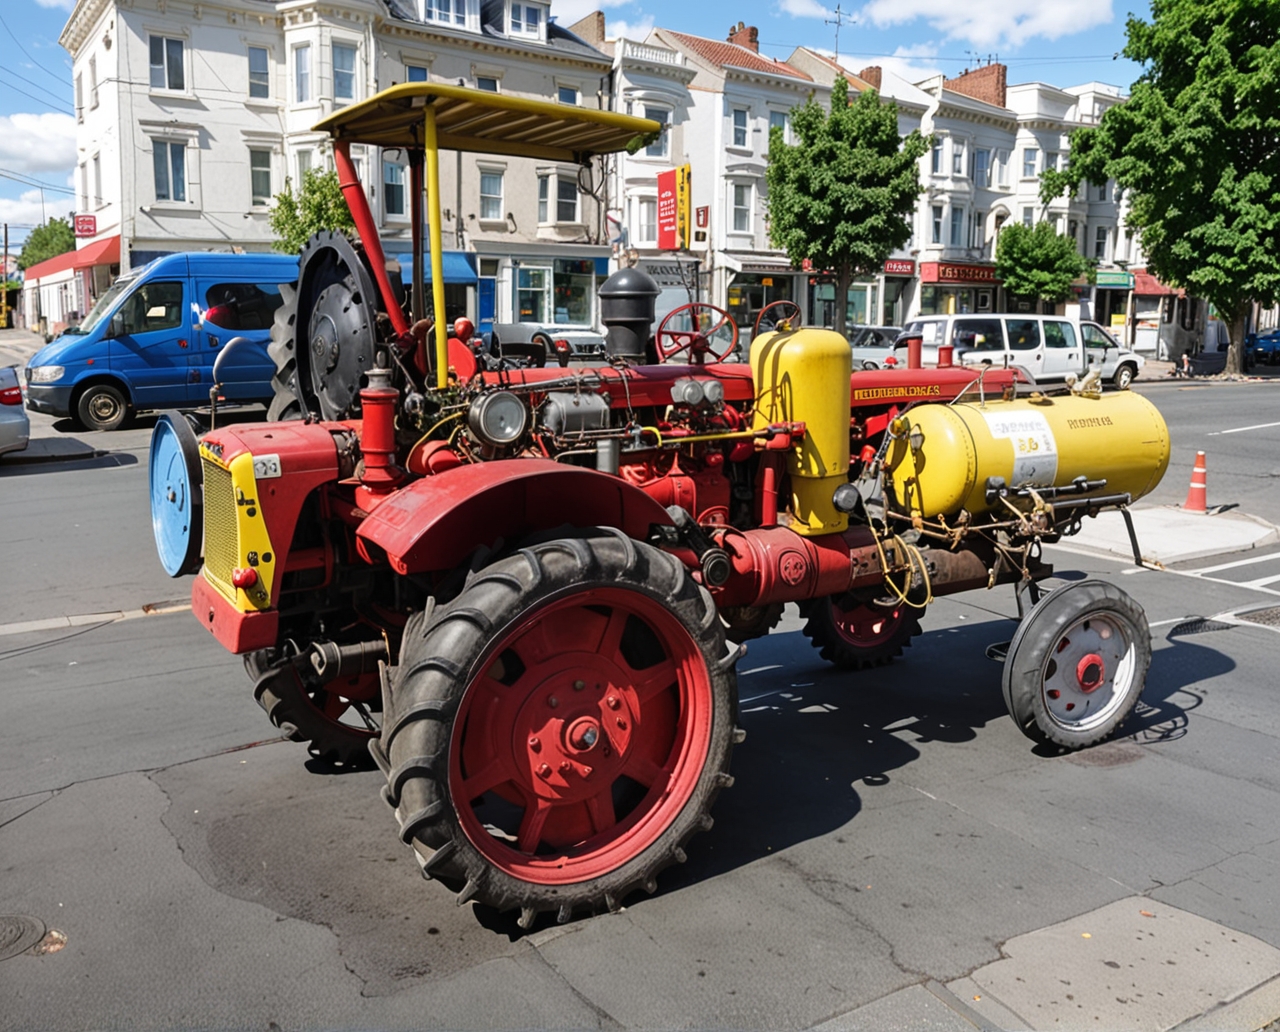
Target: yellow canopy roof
[486, 122]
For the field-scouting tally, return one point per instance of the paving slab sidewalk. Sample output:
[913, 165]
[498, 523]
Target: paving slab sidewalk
[1169, 534]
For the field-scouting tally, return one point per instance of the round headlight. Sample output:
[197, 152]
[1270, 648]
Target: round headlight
[499, 418]
[687, 391]
[714, 390]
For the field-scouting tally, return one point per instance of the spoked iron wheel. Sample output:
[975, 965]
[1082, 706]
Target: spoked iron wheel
[560, 730]
[337, 719]
[854, 634]
[1077, 664]
[324, 335]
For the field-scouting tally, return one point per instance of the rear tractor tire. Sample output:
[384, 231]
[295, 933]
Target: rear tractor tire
[559, 730]
[854, 635]
[1077, 665]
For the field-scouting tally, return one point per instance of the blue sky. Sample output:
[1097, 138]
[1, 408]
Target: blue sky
[1062, 42]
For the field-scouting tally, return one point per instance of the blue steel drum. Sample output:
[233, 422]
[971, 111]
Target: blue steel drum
[177, 510]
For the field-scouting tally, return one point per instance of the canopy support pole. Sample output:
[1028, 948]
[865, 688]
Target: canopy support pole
[367, 228]
[418, 305]
[437, 249]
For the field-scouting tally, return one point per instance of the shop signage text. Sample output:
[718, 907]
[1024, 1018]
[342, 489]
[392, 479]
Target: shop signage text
[86, 225]
[950, 272]
[1115, 280]
[673, 209]
[900, 267]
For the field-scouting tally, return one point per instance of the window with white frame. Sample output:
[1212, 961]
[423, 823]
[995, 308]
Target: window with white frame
[567, 95]
[491, 204]
[1002, 167]
[566, 199]
[1100, 243]
[167, 64]
[779, 120]
[526, 19]
[487, 82]
[415, 73]
[982, 167]
[1030, 157]
[977, 239]
[344, 72]
[742, 207]
[1073, 231]
[79, 96]
[533, 294]
[259, 73]
[957, 158]
[1051, 159]
[739, 127]
[935, 237]
[544, 191]
[93, 82]
[450, 12]
[84, 187]
[659, 148]
[646, 221]
[1102, 192]
[302, 73]
[169, 159]
[957, 227]
[260, 176]
[392, 188]
[1028, 217]
[935, 166]
[303, 159]
[97, 180]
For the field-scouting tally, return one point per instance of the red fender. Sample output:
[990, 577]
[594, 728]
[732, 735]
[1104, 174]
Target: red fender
[436, 522]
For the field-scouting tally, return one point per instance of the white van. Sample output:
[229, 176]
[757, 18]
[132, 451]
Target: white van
[1046, 347]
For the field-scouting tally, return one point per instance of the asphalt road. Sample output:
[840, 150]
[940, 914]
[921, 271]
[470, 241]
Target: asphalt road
[894, 854]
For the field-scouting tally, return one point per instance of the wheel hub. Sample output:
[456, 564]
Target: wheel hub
[1091, 672]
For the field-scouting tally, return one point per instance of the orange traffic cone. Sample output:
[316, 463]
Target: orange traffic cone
[1196, 494]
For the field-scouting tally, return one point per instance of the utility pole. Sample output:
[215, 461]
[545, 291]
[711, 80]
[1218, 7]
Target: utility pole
[4, 288]
[837, 21]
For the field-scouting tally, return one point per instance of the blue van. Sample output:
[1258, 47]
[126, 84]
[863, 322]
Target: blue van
[151, 340]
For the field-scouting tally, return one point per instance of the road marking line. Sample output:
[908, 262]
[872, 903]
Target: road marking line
[1242, 429]
[58, 623]
[1237, 563]
[1260, 582]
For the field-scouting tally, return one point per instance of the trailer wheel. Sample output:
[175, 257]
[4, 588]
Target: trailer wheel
[335, 719]
[860, 635]
[560, 729]
[1077, 664]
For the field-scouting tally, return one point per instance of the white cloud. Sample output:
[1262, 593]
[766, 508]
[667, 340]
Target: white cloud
[567, 12]
[66, 5]
[26, 209]
[994, 25]
[913, 63]
[33, 144]
[805, 9]
[636, 30]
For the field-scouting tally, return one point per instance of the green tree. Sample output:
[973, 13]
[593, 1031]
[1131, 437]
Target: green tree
[47, 241]
[1195, 149]
[295, 218]
[1038, 262]
[843, 194]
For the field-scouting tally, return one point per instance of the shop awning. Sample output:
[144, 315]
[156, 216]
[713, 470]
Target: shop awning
[753, 261]
[458, 267]
[1148, 286]
[101, 252]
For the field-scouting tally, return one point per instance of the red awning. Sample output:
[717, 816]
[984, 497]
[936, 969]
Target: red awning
[101, 252]
[1146, 284]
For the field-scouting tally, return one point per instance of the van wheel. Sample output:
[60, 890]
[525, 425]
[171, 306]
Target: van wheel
[1123, 377]
[103, 407]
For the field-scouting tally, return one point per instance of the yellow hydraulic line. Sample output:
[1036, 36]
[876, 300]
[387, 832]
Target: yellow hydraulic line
[437, 250]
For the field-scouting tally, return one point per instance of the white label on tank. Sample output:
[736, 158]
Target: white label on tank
[1035, 452]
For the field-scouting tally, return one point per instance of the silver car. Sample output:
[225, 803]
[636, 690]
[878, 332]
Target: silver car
[15, 427]
[871, 345]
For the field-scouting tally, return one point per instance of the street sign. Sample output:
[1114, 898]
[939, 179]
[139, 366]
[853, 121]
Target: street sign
[704, 216]
[86, 225]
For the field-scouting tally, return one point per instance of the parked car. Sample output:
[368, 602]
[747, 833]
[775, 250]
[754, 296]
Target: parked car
[150, 341]
[1047, 348]
[871, 345]
[15, 427]
[1119, 365]
[1266, 349]
[537, 341]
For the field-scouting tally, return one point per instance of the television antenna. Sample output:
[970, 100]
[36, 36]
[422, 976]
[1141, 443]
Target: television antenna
[839, 20]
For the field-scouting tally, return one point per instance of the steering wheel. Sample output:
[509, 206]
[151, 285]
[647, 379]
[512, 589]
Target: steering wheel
[699, 329]
[788, 317]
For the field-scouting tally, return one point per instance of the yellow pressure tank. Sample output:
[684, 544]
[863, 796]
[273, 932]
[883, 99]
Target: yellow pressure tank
[942, 462]
[802, 376]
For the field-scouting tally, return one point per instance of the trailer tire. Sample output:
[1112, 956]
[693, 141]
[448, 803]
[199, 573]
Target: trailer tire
[527, 714]
[1077, 665]
[865, 635]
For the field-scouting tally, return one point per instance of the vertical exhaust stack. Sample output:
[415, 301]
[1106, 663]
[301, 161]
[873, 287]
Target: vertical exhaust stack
[627, 301]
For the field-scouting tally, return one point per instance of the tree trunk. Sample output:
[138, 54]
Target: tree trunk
[1236, 352]
[844, 276]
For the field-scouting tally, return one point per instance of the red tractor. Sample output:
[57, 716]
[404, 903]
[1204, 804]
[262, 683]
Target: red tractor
[512, 584]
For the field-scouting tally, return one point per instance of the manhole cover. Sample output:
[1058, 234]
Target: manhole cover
[1266, 617]
[18, 933]
[1109, 754]
[1198, 625]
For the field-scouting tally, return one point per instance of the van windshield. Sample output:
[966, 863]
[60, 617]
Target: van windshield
[103, 306]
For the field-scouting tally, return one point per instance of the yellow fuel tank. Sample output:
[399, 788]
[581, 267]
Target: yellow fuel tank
[942, 463]
[802, 376]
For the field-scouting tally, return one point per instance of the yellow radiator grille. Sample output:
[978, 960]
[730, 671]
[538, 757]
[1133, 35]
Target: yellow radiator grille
[221, 544]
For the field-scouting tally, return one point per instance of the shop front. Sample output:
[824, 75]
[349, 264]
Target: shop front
[1111, 293]
[871, 301]
[948, 288]
[540, 286]
[754, 281]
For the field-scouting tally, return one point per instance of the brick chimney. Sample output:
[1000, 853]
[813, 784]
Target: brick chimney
[986, 83]
[871, 76]
[745, 36]
[590, 29]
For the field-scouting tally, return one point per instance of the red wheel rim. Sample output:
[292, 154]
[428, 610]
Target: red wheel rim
[340, 701]
[582, 737]
[864, 626]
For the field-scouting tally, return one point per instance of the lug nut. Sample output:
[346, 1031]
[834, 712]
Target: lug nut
[535, 743]
[622, 724]
[565, 767]
[544, 771]
[553, 702]
[612, 702]
[579, 685]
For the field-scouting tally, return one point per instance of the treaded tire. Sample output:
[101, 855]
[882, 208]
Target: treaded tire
[290, 705]
[1123, 377]
[445, 703]
[1054, 651]
[103, 406]
[862, 637]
